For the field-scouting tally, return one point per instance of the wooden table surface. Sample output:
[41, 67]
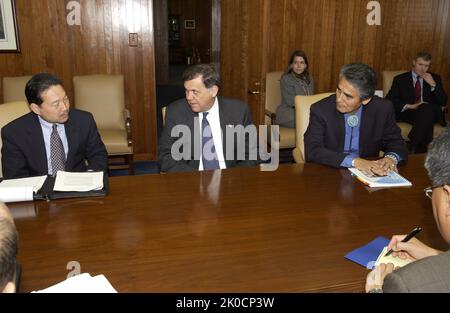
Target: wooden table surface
[236, 230]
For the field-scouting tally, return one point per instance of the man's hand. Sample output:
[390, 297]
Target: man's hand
[414, 106]
[387, 165]
[377, 168]
[429, 79]
[376, 277]
[414, 249]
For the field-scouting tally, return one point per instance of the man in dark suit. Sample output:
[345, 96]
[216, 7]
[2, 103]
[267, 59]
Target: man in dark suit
[352, 125]
[52, 137]
[418, 98]
[204, 131]
[430, 269]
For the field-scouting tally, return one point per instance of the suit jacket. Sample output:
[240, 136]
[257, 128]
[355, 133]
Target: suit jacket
[291, 86]
[431, 274]
[402, 92]
[24, 154]
[325, 136]
[231, 112]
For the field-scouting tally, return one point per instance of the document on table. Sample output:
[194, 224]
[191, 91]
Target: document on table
[20, 189]
[398, 262]
[393, 179]
[86, 181]
[83, 283]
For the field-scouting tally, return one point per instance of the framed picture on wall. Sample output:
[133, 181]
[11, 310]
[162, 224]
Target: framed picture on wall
[9, 32]
[189, 24]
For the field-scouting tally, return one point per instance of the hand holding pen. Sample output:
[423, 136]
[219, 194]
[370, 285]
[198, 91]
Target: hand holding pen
[414, 232]
[412, 249]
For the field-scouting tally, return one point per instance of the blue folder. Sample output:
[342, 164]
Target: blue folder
[368, 254]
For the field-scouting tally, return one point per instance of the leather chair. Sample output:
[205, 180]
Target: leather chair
[103, 96]
[302, 107]
[388, 78]
[273, 100]
[9, 112]
[14, 88]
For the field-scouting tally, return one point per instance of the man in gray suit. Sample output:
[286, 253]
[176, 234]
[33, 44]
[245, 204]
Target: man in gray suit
[204, 131]
[430, 271]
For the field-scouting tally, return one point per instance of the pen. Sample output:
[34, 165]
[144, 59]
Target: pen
[413, 232]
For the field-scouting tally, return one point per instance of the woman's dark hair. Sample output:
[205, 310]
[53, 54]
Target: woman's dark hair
[305, 75]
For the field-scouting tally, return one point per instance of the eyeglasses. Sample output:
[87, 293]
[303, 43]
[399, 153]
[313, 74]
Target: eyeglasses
[429, 190]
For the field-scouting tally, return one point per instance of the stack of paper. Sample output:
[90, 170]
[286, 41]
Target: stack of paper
[87, 181]
[21, 189]
[393, 179]
[83, 283]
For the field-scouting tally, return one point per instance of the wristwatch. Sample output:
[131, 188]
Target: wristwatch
[392, 157]
[375, 290]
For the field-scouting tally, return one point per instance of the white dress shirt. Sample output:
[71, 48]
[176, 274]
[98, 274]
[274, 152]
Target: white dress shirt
[214, 121]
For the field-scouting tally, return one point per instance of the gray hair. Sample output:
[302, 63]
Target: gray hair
[437, 161]
[362, 77]
[208, 72]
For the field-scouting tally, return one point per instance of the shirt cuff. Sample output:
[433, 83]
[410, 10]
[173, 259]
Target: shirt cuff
[347, 162]
[399, 159]
[404, 108]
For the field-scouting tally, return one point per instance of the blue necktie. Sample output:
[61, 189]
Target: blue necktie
[209, 155]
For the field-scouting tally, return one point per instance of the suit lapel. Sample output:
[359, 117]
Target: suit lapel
[340, 128]
[36, 143]
[72, 135]
[224, 121]
[365, 127]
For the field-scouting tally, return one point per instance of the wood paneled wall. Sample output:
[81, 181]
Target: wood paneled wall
[98, 46]
[335, 32]
[200, 37]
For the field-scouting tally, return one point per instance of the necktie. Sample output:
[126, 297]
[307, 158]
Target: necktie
[209, 155]
[417, 91]
[57, 155]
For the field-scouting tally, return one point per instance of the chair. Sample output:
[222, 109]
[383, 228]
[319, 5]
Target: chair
[302, 106]
[9, 112]
[14, 88]
[388, 78]
[103, 96]
[273, 100]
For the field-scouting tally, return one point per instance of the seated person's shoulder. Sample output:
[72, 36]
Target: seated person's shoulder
[381, 102]
[19, 124]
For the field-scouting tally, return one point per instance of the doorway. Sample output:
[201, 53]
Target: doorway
[187, 32]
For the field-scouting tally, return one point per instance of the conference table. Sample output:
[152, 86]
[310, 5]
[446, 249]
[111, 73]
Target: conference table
[234, 230]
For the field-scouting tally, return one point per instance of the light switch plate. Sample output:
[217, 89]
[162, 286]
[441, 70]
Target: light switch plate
[133, 40]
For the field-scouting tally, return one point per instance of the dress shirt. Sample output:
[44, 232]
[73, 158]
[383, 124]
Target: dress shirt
[47, 132]
[353, 151]
[214, 122]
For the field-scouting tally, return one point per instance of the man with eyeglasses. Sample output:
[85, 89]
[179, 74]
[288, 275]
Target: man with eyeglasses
[350, 128]
[430, 271]
[52, 136]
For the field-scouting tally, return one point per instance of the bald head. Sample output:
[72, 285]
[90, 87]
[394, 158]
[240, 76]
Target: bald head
[8, 250]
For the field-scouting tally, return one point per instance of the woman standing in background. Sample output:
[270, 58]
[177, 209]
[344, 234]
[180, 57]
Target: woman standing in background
[296, 81]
